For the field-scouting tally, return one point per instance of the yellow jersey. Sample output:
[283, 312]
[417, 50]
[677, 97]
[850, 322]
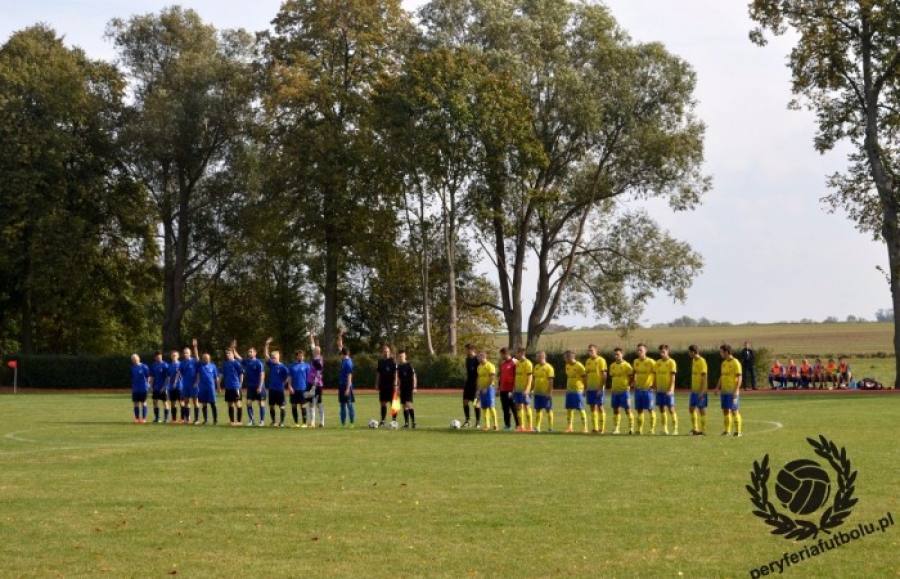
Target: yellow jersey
[621, 373]
[524, 369]
[698, 369]
[486, 374]
[643, 373]
[730, 376]
[595, 367]
[663, 371]
[575, 377]
[543, 375]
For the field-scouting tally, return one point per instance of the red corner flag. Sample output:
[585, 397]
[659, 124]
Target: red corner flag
[13, 364]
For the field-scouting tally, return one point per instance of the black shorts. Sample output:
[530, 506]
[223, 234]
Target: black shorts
[252, 394]
[385, 394]
[276, 398]
[232, 395]
[299, 397]
[348, 399]
[469, 391]
[406, 395]
[159, 395]
[174, 395]
[315, 395]
[138, 396]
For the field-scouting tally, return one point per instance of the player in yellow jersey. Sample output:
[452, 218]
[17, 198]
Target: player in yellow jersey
[699, 398]
[543, 391]
[595, 367]
[622, 375]
[522, 391]
[729, 386]
[664, 381]
[643, 388]
[575, 375]
[487, 379]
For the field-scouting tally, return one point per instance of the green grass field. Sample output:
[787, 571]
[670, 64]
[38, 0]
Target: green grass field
[868, 345]
[85, 493]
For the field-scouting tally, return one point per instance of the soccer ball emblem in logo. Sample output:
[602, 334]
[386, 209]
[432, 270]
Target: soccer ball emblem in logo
[803, 486]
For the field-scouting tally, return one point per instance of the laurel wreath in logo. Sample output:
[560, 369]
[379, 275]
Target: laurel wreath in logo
[801, 529]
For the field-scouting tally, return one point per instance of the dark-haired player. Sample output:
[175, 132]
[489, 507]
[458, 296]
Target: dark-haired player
[254, 380]
[233, 377]
[159, 372]
[699, 385]
[174, 388]
[729, 386]
[299, 371]
[470, 389]
[597, 371]
[386, 381]
[622, 375]
[346, 397]
[406, 376]
[664, 380]
[187, 371]
[278, 377]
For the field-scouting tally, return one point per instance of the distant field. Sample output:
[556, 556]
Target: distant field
[851, 339]
[85, 493]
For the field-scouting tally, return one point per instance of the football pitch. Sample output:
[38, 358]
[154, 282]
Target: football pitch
[86, 493]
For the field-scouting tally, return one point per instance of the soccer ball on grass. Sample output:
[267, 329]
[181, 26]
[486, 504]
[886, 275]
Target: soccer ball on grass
[373, 423]
[455, 424]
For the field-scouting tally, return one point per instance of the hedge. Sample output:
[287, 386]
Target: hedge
[444, 371]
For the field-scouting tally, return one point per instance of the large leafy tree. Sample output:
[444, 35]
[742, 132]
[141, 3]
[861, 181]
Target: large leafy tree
[189, 120]
[76, 255]
[616, 126]
[322, 61]
[846, 69]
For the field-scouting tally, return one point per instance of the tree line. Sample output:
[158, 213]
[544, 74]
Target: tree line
[352, 166]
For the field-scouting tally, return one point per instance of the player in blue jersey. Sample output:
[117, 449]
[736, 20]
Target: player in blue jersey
[315, 382]
[140, 374]
[159, 372]
[299, 372]
[254, 380]
[233, 380]
[278, 380]
[208, 382]
[187, 371]
[346, 398]
[173, 386]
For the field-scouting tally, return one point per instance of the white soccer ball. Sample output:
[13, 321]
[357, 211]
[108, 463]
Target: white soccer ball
[455, 424]
[373, 423]
[393, 425]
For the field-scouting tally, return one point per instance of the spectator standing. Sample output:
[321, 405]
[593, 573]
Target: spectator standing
[748, 359]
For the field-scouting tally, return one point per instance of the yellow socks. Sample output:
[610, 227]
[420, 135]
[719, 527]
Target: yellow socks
[640, 423]
[540, 419]
[602, 420]
[727, 423]
[520, 413]
[737, 423]
[631, 422]
[617, 421]
[530, 419]
[584, 420]
[595, 419]
[703, 423]
[674, 423]
[665, 420]
[694, 422]
[550, 418]
[570, 416]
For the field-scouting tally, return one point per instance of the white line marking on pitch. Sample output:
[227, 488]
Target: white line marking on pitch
[15, 436]
[776, 426]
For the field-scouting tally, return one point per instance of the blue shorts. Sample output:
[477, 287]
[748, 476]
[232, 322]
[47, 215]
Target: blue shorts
[643, 400]
[574, 401]
[621, 400]
[486, 396]
[520, 398]
[189, 393]
[697, 401]
[207, 396]
[665, 399]
[595, 397]
[138, 396]
[729, 401]
[542, 402]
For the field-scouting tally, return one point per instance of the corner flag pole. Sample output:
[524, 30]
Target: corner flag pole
[14, 364]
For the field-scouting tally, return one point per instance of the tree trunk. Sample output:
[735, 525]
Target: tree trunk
[329, 332]
[27, 331]
[423, 264]
[450, 241]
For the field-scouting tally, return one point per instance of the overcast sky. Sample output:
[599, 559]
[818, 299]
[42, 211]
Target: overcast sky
[771, 250]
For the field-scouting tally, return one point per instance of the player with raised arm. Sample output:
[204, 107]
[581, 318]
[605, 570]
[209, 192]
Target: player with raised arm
[524, 382]
[409, 383]
[140, 376]
[279, 377]
[470, 390]
[575, 375]
[315, 382]
[386, 381]
[254, 380]
[346, 397]
[699, 397]
[643, 389]
[487, 380]
[233, 377]
[664, 381]
[729, 390]
[597, 371]
[187, 371]
[543, 391]
[208, 382]
[159, 373]
[622, 375]
[174, 387]
[299, 371]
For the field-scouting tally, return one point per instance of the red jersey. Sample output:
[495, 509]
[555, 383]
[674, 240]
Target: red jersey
[507, 375]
